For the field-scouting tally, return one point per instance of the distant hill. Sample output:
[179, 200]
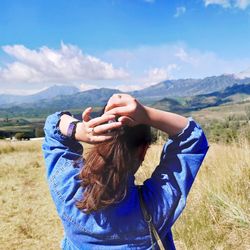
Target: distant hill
[176, 95]
[99, 97]
[168, 88]
[234, 94]
[189, 87]
[80, 100]
[93, 97]
[54, 91]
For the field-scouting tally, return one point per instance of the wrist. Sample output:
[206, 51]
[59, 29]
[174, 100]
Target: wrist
[65, 122]
[147, 116]
[79, 134]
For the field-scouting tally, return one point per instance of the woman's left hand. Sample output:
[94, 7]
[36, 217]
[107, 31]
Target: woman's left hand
[96, 130]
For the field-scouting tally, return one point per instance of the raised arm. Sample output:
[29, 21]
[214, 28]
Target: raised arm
[165, 193]
[58, 146]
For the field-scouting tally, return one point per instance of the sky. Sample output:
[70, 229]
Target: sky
[123, 44]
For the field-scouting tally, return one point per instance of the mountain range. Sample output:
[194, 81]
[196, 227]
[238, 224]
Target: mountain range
[189, 87]
[48, 93]
[176, 95]
[237, 93]
[168, 88]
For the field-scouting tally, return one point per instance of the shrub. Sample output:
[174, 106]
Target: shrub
[39, 132]
[22, 136]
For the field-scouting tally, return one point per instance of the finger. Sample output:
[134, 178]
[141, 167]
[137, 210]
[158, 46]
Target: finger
[126, 120]
[104, 128]
[112, 105]
[86, 114]
[99, 120]
[116, 100]
[121, 111]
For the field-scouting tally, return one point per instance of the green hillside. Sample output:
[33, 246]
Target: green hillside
[230, 95]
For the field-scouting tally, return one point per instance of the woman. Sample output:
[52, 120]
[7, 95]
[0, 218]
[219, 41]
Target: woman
[97, 199]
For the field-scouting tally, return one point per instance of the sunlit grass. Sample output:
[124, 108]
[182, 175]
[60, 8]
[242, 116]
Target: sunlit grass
[19, 146]
[28, 218]
[216, 216]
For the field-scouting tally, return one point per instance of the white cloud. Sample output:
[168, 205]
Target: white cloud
[243, 74]
[173, 61]
[241, 4]
[18, 91]
[127, 88]
[45, 65]
[180, 11]
[150, 77]
[156, 75]
[186, 57]
[135, 68]
[86, 86]
[223, 3]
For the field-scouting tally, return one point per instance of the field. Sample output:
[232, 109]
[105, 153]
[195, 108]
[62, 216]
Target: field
[217, 215]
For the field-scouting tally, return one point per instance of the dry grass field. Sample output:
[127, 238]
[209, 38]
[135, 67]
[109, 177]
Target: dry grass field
[217, 215]
[221, 112]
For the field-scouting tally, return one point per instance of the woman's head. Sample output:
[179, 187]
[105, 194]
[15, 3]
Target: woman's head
[109, 164]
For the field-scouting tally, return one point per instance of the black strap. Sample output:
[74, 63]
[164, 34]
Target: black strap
[148, 219]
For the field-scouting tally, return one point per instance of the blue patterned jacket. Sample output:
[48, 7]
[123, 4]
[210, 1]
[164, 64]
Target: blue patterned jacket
[121, 226]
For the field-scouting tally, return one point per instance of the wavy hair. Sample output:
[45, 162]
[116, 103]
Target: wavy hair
[108, 166]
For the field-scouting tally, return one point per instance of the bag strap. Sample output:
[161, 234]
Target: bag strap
[148, 219]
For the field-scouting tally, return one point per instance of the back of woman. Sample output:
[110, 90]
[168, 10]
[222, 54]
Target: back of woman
[96, 198]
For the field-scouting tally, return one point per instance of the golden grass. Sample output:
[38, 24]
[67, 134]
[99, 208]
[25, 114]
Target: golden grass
[19, 146]
[28, 218]
[216, 216]
[221, 112]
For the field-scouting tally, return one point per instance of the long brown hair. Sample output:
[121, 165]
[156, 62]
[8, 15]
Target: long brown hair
[108, 166]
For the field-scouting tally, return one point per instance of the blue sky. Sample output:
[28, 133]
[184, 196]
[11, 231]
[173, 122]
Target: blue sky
[126, 44]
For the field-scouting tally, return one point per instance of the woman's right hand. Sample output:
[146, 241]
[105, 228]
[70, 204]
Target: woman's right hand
[129, 110]
[132, 113]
